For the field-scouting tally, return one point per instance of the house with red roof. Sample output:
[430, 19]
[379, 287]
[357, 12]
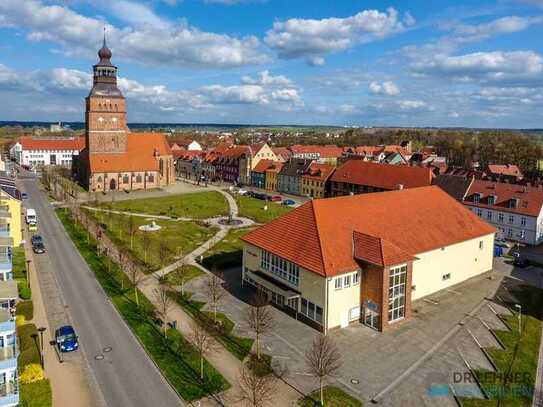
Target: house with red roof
[38, 151]
[254, 153]
[359, 177]
[366, 258]
[516, 211]
[272, 175]
[258, 174]
[504, 173]
[315, 180]
[323, 154]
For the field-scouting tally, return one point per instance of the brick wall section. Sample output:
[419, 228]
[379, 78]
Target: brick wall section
[108, 134]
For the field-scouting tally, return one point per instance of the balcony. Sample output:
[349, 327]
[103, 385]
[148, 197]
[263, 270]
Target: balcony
[4, 212]
[9, 394]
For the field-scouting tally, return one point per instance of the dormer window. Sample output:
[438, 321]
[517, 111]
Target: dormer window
[476, 197]
[492, 200]
[513, 203]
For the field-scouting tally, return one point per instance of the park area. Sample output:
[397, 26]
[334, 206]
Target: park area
[254, 209]
[198, 205]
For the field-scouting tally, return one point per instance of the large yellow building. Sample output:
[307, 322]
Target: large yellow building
[365, 258]
[10, 213]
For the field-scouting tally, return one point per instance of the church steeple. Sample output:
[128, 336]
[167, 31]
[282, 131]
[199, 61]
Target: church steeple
[105, 73]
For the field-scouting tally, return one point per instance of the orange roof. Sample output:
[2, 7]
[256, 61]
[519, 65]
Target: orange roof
[52, 143]
[375, 250]
[319, 172]
[235, 152]
[386, 176]
[320, 232]
[530, 199]
[282, 152]
[323, 151]
[139, 155]
[276, 167]
[507, 169]
[263, 165]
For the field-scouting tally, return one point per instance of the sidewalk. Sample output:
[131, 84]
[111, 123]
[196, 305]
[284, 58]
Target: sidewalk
[68, 380]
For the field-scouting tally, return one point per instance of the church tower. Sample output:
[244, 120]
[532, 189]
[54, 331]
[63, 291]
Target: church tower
[105, 115]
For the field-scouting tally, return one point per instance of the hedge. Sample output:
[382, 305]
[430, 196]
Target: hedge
[37, 394]
[26, 309]
[29, 351]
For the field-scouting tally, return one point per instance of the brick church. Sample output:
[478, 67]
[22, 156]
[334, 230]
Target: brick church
[115, 158]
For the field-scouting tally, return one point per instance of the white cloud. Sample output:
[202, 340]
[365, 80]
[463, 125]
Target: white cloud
[313, 39]
[502, 25]
[384, 88]
[235, 94]
[158, 43]
[266, 79]
[412, 104]
[454, 115]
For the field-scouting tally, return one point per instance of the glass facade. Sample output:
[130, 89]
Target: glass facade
[280, 267]
[396, 293]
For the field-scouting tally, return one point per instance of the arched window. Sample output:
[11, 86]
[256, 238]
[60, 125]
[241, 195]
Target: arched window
[151, 177]
[99, 178]
[125, 179]
[138, 178]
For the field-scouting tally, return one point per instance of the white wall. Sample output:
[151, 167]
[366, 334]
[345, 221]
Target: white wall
[43, 157]
[462, 261]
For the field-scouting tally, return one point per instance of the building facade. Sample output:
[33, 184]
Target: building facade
[271, 176]
[289, 179]
[341, 266]
[516, 211]
[114, 157]
[315, 180]
[36, 151]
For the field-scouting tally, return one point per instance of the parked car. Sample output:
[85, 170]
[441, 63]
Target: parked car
[66, 339]
[288, 202]
[243, 192]
[260, 196]
[36, 239]
[38, 248]
[276, 198]
[519, 260]
[24, 195]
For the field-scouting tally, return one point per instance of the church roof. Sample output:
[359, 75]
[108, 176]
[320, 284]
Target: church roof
[140, 155]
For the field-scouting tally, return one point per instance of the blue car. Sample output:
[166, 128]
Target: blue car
[288, 202]
[66, 338]
[24, 195]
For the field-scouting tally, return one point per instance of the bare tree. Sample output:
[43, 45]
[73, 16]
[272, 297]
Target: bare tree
[182, 272]
[135, 278]
[323, 360]
[163, 253]
[123, 260]
[214, 291]
[132, 230]
[164, 303]
[256, 390]
[85, 222]
[202, 341]
[145, 243]
[260, 318]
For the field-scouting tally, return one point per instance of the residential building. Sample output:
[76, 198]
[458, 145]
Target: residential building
[322, 154]
[289, 179]
[283, 154]
[455, 186]
[187, 163]
[366, 258]
[254, 153]
[258, 174]
[504, 173]
[377, 153]
[315, 180]
[9, 384]
[37, 151]
[515, 210]
[227, 165]
[115, 158]
[271, 176]
[358, 177]
[10, 207]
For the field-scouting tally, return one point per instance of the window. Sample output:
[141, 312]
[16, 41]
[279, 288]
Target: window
[151, 178]
[476, 198]
[311, 310]
[522, 235]
[446, 277]
[125, 179]
[481, 245]
[523, 221]
[339, 283]
[396, 293]
[356, 278]
[280, 267]
[491, 200]
[488, 215]
[138, 178]
[500, 217]
[511, 219]
[509, 233]
[479, 212]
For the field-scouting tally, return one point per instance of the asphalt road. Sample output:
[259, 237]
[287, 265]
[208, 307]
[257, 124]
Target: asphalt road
[126, 376]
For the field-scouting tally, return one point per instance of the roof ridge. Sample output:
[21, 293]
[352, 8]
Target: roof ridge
[324, 266]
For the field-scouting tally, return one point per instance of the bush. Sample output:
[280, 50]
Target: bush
[20, 320]
[24, 291]
[25, 308]
[29, 357]
[36, 394]
[30, 353]
[32, 373]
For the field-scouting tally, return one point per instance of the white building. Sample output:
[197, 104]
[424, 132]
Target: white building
[516, 211]
[42, 151]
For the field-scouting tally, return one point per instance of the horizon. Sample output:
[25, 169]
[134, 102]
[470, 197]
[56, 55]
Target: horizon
[419, 65]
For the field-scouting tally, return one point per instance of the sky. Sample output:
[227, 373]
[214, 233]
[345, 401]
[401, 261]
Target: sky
[461, 63]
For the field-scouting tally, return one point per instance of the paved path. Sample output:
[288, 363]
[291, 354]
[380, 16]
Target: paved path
[126, 376]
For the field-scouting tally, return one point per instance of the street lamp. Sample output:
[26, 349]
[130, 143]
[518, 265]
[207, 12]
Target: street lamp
[28, 271]
[35, 337]
[519, 308]
[41, 330]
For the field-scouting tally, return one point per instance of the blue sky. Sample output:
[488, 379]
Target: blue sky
[344, 62]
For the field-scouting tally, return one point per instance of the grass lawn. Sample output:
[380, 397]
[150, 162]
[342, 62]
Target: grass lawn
[228, 252]
[175, 356]
[36, 394]
[189, 272]
[199, 205]
[19, 272]
[180, 237]
[254, 208]
[239, 346]
[518, 362]
[333, 397]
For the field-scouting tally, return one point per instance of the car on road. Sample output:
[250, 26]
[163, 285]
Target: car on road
[276, 198]
[36, 239]
[519, 260]
[66, 339]
[38, 248]
[288, 202]
[243, 192]
[261, 196]
[24, 195]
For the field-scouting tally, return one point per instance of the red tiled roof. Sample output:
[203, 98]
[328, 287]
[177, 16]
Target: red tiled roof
[139, 155]
[235, 152]
[323, 151]
[276, 167]
[384, 176]
[58, 143]
[375, 250]
[319, 172]
[507, 169]
[530, 199]
[282, 152]
[320, 232]
[263, 165]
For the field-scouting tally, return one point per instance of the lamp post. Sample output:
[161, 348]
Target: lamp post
[519, 308]
[28, 271]
[36, 341]
[41, 330]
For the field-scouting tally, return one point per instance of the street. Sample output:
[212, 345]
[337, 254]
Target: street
[122, 370]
